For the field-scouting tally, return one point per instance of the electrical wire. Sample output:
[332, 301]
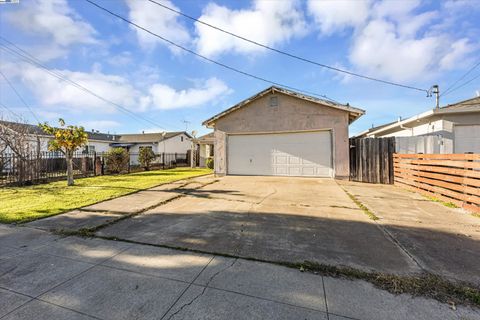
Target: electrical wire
[204, 57]
[10, 110]
[461, 78]
[32, 60]
[462, 85]
[291, 55]
[20, 96]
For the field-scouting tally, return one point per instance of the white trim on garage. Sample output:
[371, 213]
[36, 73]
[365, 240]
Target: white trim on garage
[289, 153]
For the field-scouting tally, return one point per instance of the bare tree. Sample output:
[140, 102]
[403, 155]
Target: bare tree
[20, 149]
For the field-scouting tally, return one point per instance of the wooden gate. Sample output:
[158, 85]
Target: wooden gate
[371, 160]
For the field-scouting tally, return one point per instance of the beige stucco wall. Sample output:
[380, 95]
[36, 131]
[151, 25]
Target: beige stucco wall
[291, 114]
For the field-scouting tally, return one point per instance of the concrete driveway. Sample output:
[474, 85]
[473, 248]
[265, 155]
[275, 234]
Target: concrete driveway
[270, 218]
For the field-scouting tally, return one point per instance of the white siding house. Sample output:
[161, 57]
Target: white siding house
[167, 142]
[451, 129]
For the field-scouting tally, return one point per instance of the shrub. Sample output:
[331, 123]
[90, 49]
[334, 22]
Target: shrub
[146, 157]
[117, 160]
[209, 163]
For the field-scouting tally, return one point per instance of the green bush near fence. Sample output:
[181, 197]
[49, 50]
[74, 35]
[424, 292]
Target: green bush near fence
[210, 163]
[116, 160]
[22, 204]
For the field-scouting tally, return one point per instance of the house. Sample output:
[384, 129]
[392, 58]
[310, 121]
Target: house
[38, 139]
[283, 133]
[205, 147]
[164, 142]
[454, 128]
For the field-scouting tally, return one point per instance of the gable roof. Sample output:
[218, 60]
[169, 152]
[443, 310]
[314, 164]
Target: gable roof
[36, 130]
[206, 139]
[149, 137]
[99, 136]
[354, 113]
[467, 106]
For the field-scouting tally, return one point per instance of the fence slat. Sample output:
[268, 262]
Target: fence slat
[455, 177]
[371, 160]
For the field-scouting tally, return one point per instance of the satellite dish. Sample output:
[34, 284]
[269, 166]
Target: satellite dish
[194, 133]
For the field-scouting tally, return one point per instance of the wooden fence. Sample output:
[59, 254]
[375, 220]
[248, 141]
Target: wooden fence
[453, 178]
[371, 160]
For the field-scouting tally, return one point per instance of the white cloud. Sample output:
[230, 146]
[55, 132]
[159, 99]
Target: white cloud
[62, 96]
[166, 97]
[395, 40]
[51, 91]
[158, 20]
[55, 19]
[337, 15]
[268, 22]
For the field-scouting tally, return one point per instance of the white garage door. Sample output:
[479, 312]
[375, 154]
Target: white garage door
[467, 139]
[282, 154]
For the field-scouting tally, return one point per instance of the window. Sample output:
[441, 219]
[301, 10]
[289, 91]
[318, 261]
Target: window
[210, 150]
[273, 101]
[181, 138]
[91, 148]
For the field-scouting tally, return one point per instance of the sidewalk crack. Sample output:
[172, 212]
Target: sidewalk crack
[203, 290]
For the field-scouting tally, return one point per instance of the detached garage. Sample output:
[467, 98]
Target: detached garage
[280, 132]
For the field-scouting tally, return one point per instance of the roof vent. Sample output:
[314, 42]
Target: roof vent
[273, 101]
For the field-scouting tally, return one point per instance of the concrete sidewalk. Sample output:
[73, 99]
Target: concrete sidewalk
[43, 276]
[442, 240]
[108, 211]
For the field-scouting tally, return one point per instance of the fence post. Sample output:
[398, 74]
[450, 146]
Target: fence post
[163, 160]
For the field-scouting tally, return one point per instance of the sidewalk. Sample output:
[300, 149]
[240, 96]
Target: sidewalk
[108, 211]
[43, 276]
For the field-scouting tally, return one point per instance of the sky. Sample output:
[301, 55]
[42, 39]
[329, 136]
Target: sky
[155, 86]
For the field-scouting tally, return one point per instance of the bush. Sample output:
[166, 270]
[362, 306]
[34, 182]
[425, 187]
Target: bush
[209, 163]
[117, 160]
[146, 157]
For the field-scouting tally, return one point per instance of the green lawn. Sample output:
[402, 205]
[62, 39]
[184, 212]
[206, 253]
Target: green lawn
[21, 204]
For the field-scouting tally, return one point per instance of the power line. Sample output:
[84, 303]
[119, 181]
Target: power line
[204, 57]
[32, 60]
[10, 110]
[462, 85]
[461, 78]
[19, 96]
[291, 55]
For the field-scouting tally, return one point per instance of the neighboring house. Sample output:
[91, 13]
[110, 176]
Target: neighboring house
[165, 142]
[454, 128]
[38, 139]
[205, 145]
[168, 142]
[283, 133]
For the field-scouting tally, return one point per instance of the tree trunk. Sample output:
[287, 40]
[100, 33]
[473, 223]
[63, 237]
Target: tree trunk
[69, 158]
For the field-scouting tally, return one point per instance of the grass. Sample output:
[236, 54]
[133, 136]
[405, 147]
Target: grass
[365, 210]
[23, 204]
[446, 204]
[426, 285]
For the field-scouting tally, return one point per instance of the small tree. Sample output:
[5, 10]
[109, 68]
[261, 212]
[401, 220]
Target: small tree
[66, 139]
[146, 157]
[117, 160]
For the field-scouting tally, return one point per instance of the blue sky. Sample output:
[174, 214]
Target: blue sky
[418, 43]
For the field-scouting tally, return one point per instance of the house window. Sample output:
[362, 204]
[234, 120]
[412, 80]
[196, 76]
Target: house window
[210, 150]
[88, 149]
[181, 138]
[273, 101]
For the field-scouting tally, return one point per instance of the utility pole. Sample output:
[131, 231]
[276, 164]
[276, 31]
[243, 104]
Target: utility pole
[436, 91]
